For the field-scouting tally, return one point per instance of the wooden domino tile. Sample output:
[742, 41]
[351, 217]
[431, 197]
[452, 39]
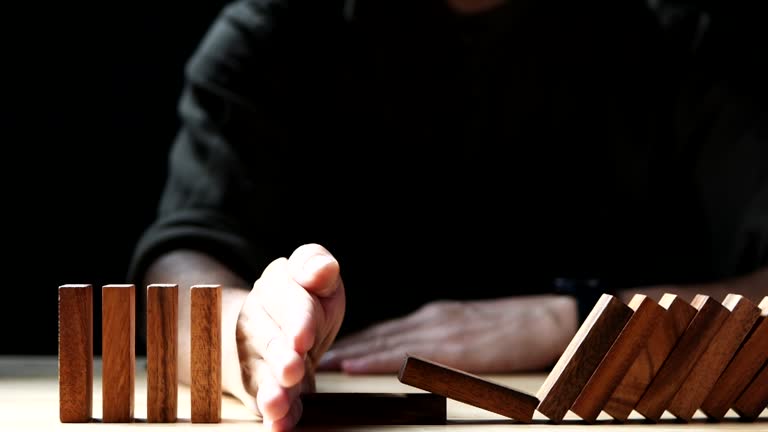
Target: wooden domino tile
[633, 338]
[741, 370]
[755, 397]
[205, 301]
[467, 388]
[704, 374]
[372, 409]
[675, 319]
[694, 341]
[582, 356]
[162, 347]
[118, 352]
[75, 367]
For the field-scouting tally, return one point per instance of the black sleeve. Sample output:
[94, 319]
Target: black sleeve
[723, 118]
[218, 196]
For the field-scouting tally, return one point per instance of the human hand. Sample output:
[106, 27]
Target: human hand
[502, 335]
[289, 319]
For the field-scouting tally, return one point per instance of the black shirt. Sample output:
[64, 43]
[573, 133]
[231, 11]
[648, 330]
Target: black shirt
[441, 156]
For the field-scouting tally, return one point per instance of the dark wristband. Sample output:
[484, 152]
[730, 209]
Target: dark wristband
[586, 292]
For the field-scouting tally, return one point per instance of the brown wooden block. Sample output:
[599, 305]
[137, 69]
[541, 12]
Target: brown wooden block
[162, 348]
[714, 360]
[467, 388]
[75, 353]
[582, 356]
[755, 397]
[634, 337]
[675, 319]
[205, 301]
[709, 317]
[118, 351]
[740, 371]
[372, 409]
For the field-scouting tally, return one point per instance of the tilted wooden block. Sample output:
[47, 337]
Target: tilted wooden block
[582, 356]
[677, 315]
[633, 338]
[742, 369]
[206, 371]
[709, 317]
[75, 353]
[713, 361]
[467, 388]
[755, 397]
[372, 409]
[118, 344]
[162, 349]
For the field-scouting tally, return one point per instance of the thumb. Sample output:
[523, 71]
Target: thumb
[314, 268]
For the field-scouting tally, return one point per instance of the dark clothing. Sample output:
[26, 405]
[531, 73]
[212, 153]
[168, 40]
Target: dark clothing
[439, 156]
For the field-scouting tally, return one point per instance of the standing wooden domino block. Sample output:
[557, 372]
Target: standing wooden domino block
[633, 338]
[744, 366]
[709, 317]
[118, 308]
[162, 347]
[755, 397]
[75, 353]
[205, 318]
[582, 356]
[675, 319]
[470, 389]
[713, 361]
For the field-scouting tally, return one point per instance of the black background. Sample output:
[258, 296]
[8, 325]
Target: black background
[88, 102]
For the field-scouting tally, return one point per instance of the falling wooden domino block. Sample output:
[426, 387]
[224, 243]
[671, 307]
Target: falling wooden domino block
[467, 388]
[741, 370]
[582, 356]
[633, 338]
[205, 301]
[755, 397]
[712, 362]
[75, 366]
[675, 319]
[118, 352]
[162, 347]
[694, 341]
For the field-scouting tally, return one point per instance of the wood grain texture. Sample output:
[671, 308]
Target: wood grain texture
[694, 341]
[741, 370]
[205, 301]
[633, 338]
[337, 409]
[118, 347]
[582, 356]
[75, 357]
[755, 397]
[714, 360]
[162, 352]
[467, 388]
[29, 399]
[677, 315]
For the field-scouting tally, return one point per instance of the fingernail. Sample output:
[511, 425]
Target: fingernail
[315, 264]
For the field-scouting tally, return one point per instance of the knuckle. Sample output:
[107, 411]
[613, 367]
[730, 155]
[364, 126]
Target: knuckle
[439, 307]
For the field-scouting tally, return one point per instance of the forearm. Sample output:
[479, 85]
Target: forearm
[187, 268]
[753, 286]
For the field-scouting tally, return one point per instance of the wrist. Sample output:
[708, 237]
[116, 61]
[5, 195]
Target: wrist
[565, 310]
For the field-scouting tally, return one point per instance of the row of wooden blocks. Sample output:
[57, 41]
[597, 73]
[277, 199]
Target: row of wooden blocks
[646, 356]
[119, 353]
